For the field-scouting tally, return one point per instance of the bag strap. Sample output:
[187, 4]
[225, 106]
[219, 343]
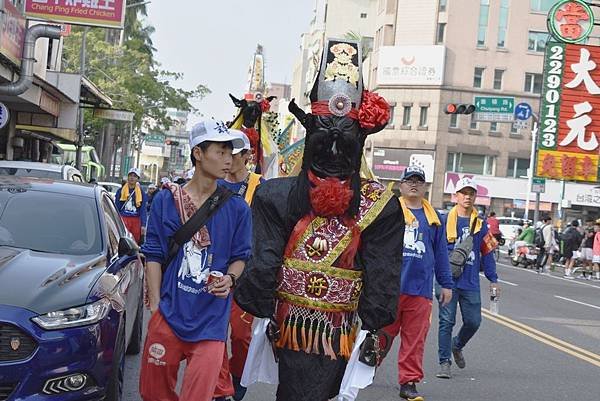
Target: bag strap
[194, 223]
[128, 198]
[473, 226]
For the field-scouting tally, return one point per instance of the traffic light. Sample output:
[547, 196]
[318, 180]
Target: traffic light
[171, 142]
[456, 108]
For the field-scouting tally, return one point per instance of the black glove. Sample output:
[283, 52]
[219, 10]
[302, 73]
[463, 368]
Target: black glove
[369, 350]
[273, 334]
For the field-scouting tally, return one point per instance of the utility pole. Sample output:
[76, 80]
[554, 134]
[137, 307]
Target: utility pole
[534, 137]
[82, 56]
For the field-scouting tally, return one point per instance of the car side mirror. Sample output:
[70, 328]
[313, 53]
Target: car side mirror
[127, 247]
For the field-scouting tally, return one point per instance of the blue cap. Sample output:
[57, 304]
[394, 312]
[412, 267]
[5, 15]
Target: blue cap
[413, 171]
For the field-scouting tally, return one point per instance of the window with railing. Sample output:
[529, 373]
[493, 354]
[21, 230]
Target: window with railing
[517, 168]
[536, 41]
[484, 11]
[471, 163]
[502, 23]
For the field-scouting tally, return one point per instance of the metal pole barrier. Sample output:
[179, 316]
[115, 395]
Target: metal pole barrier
[82, 57]
[534, 132]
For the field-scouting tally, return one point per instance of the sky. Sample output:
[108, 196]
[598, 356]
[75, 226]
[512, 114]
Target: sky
[212, 42]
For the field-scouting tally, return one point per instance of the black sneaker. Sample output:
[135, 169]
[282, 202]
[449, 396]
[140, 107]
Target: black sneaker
[240, 391]
[444, 372]
[409, 392]
[458, 357]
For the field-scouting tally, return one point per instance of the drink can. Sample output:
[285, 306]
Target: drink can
[213, 278]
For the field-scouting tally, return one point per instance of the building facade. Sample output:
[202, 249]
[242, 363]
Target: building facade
[437, 52]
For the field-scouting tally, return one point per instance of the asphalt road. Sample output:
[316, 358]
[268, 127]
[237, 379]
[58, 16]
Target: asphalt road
[544, 346]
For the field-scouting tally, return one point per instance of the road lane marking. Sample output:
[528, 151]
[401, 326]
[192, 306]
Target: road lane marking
[501, 281]
[577, 302]
[548, 275]
[544, 338]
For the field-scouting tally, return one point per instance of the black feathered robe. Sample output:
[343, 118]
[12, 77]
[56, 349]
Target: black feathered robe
[313, 374]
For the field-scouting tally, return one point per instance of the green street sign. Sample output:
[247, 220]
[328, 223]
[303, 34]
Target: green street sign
[538, 185]
[155, 138]
[494, 104]
[494, 108]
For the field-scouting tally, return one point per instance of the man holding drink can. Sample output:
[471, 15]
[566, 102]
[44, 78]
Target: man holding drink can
[197, 244]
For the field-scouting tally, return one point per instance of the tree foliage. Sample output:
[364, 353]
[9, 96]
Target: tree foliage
[126, 70]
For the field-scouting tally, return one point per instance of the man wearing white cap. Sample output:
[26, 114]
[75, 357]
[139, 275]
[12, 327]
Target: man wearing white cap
[242, 182]
[131, 203]
[190, 313]
[470, 245]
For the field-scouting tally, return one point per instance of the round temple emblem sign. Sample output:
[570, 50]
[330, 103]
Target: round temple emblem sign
[570, 21]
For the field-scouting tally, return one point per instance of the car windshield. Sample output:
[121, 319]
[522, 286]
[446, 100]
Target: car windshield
[28, 172]
[49, 222]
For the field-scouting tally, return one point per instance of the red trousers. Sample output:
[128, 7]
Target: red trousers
[134, 225]
[241, 334]
[412, 322]
[164, 351]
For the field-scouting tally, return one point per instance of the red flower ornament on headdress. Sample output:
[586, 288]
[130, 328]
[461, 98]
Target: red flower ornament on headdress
[374, 111]
[265, 105]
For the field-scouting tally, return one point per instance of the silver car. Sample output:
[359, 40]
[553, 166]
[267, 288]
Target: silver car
[40, 170]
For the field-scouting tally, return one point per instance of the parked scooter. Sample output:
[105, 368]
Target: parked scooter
[524, 254]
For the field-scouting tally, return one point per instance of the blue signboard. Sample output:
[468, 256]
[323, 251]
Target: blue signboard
[523, 111]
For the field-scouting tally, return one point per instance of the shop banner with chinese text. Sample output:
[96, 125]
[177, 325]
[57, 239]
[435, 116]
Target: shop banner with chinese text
[103, 13]
[568, 146]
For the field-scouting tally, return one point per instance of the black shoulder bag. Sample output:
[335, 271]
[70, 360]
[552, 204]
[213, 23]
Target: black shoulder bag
[461, 252]
[191, 227]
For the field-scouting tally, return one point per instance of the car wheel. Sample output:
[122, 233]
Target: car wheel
[114, 388]
[135, 342]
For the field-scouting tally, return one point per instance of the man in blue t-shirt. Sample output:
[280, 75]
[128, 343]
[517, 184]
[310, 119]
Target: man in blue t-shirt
[244, 183]
[190, 316]
[460, 222]
[425, 253]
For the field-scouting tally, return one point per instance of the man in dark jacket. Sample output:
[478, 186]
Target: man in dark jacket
[571, 242]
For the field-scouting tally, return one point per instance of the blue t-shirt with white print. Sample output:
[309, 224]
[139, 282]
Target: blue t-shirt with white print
[469, 279]
[425, 253]
[191, 312]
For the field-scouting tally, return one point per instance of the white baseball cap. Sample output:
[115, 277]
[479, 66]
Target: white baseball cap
[215, 131]
[135, 171]
[165, 180]
[465, 182]
[243, 137]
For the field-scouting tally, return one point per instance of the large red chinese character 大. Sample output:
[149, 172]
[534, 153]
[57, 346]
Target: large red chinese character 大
[572, 13]
[548, 165]
[569, 166]
[587, 167]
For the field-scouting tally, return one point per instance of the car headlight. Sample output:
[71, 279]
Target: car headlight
[74, 317]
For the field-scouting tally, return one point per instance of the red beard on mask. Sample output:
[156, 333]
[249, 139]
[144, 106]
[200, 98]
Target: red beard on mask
[329, 196]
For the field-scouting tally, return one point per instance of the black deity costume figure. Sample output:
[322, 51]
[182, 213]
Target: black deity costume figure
[327, 245]
[249, 121]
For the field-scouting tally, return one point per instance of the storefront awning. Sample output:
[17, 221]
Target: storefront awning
[66, 134]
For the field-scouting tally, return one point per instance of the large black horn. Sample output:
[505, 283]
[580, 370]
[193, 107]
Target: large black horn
[298, 112]
[237, 102]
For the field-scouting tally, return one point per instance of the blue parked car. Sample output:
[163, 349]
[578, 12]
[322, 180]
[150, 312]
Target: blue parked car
[71, 292]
